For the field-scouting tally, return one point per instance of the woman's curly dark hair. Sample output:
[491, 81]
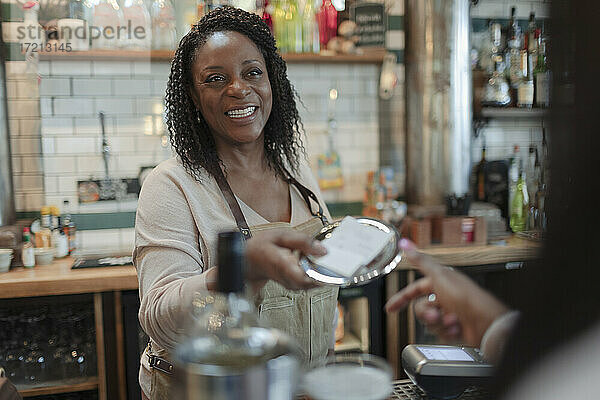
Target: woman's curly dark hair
[190, 134]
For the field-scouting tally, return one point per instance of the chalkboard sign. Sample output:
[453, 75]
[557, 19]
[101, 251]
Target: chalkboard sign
[371, 23]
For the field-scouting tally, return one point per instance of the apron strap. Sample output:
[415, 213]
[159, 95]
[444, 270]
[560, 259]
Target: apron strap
[238, 215]
[307, 195]
[233, 204]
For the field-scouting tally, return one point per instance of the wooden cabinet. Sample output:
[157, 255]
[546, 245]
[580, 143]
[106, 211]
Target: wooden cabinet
[98, 291]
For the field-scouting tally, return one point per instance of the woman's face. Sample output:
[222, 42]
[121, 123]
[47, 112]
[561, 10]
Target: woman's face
[231, 87]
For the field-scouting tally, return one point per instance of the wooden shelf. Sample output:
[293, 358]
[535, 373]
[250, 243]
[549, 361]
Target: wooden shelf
[369, 57]
[513, 112]
[56, 387]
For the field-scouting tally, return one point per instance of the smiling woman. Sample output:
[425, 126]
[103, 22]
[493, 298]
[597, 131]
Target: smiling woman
[240, 163]
[231, 88]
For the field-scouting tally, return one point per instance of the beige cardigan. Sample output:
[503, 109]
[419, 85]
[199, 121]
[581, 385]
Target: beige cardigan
[177, 222]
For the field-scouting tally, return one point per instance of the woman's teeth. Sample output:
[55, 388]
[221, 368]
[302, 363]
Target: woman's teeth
[243, 113]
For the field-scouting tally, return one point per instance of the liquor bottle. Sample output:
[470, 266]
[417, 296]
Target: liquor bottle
[327, 21]
[531, 40]
[225, 317]
[513, 176]
[310, 29]
[519, 204]
[479, 192]
[542, 76]
[513, 52]
[526, 88]
[28, 255]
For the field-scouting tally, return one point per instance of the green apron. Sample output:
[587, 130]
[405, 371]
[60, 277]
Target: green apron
[306, 315]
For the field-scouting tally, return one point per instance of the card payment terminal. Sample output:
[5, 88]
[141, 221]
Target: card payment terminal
[444, 372]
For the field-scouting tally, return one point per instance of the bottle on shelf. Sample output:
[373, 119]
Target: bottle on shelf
[27, 254]
[43, 237]
[513, 176]
[531, 40]
[310, 28]
[107, 16]
[136, 14]
[479, 188]
[69, 227]
[267, 12]
[327, 21]
[526, 89]
[164, 32]
[520, 203]
[279, 11]
[513, 53]
[293, 26]
[497, 92]
[542, 76]
[55, 228]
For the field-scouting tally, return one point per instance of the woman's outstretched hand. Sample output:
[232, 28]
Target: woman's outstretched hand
[448, 302]
[271, 255]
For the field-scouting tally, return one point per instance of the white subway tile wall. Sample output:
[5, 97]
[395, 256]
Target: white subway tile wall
[66, 140]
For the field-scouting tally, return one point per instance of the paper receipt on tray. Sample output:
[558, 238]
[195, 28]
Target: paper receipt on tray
[351, 246]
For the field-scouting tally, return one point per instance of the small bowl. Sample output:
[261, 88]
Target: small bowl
[44, 255]
[5, 259]
[352, 376]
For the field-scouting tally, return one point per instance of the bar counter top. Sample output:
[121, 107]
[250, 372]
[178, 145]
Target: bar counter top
[58, 278]
[513, 249]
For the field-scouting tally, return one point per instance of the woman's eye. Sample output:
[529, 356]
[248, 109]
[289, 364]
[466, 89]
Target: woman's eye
[255, 72]
[213, 78]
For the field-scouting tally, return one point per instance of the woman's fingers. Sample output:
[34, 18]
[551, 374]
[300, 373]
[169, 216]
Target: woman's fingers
[268, 260]
[401, 299]
[297, 241]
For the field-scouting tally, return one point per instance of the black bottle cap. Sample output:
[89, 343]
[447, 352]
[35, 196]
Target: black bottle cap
[231, 262]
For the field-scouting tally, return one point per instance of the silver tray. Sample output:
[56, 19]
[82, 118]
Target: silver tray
[381, 265]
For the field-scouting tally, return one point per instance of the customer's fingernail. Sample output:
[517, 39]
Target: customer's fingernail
[319, 249]
[408, 246]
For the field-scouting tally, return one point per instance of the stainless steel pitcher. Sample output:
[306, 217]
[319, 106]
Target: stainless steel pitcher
[258, 364]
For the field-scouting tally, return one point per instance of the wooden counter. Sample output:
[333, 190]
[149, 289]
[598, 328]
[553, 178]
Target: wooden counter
[515, 249]
[58, 278]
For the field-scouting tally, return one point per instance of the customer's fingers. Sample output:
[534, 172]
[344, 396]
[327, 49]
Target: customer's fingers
[401, 299]
[422, 262]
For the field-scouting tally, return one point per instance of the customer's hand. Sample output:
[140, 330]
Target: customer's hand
[270, 256]
[460, 308]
